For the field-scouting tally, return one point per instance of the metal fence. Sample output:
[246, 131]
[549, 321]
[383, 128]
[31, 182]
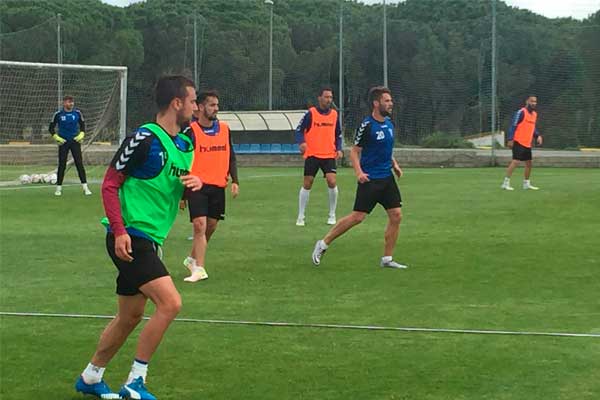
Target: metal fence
[463, 73]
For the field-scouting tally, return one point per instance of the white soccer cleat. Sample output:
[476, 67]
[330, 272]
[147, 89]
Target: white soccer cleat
[87, 192]
[300, 222]
[198, 274]
[506, 186]
[318, 252]
[393, 264]
[331, 220]
[529, 186]
[58, 192]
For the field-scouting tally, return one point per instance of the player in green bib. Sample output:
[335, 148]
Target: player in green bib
[141, 193]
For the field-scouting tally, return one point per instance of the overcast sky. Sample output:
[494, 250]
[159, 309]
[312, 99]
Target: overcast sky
[579, 9]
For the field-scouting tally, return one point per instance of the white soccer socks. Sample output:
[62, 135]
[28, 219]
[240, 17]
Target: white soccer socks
[506, 184]
[303, 197]
[333, 196]
[138, 368]
[92, 374]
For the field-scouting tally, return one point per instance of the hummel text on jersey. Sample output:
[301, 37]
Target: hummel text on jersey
[204, 149]
[176, 171]
[323, 124]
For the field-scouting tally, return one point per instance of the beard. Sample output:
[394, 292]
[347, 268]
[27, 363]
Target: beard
[385, 112]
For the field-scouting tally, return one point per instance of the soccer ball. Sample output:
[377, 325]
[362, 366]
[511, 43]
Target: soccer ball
[51, 178]
[36, 178]
[25, 179]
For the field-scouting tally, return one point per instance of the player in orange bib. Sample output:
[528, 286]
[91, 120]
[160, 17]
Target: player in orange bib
[214, 162]
[320, 139]
[520, 137]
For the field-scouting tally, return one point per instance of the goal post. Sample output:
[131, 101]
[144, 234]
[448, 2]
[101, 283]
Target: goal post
[29, 93]
[8, 68]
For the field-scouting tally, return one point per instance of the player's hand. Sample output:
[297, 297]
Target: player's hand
[339, 155]
[191, 182]
[509, 144]
[362, 177]
[123, 247]
[235, 190]
[397, 170]
[79, 138]
[540, 140]
[58, 139]
[182, 205]
[302, 147]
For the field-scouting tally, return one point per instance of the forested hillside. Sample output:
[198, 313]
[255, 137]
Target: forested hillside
[439, 57]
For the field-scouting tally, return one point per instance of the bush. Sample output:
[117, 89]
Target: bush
[441, 140]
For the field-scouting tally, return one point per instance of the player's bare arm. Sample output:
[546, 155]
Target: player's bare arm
[396, 168]
[355, 158]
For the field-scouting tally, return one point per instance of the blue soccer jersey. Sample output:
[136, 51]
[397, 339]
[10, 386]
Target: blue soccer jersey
[377, 142]
[69, 123]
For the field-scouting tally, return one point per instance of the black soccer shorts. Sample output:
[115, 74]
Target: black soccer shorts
[145, 267]
[313, 164]
[209, 202]
[383, 191]
[520, 152]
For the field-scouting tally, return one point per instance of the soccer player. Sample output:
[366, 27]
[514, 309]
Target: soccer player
[71, 131]
[520, 136]
[320, 140]
[373, 162]
[214, 162]
[141, 193]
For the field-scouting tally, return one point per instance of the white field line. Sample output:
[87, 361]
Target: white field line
[13, 185]
[18, 186]
[323, 326]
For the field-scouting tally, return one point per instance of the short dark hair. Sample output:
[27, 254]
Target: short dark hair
[205, 94]
[171, 87]
[325, 89]
[376, 92]
[530, 96]
[68, 97]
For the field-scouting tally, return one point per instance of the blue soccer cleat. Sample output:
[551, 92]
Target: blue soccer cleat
[136, 390]
[100, 389]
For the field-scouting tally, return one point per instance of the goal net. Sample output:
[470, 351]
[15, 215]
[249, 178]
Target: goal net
[30, 94]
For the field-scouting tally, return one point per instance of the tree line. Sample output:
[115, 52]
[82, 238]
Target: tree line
[439, 57]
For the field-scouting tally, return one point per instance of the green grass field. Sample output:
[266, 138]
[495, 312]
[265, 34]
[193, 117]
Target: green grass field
[480, 258]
